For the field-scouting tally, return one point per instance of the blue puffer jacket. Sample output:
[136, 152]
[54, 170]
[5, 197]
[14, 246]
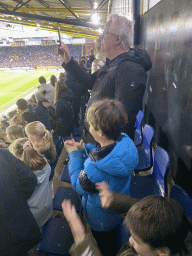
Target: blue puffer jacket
[116, 169]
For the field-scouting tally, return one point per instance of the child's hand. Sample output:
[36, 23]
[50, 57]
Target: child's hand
[70, 145]
[106, 196]
[75, 223]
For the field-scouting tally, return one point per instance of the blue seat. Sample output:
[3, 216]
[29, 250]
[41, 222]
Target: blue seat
[155, 183]
[65, 175]
[183, 198]
[123, 235]
[138, 136]
[145, 153]
[56, 237]
[67, 193]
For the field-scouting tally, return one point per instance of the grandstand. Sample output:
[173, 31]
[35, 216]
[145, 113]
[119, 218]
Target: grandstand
[21, 66]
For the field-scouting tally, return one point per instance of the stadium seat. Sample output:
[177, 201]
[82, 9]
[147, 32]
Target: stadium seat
[155, 183]
[56, 237]
[183, 198]
[66, 193]
[138, 136]
[65, 175]
[123, 235]
[145, 153]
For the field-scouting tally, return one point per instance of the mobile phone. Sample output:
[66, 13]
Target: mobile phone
[59, 41]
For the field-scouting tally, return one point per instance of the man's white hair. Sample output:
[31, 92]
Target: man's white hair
[121, 26]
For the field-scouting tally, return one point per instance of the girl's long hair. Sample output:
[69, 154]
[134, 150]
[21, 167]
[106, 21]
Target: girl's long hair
[38, 129]
[23, 149]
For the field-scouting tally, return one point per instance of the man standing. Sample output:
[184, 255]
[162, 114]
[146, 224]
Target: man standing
[123, 77]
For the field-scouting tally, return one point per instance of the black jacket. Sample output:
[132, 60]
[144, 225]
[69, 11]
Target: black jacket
[64, 114]
[29, 117]
[123, 78]
[18, 229]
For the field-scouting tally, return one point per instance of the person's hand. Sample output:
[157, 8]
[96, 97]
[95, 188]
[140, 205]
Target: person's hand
[80, 145]
[75, 223]
[106, 196]
[70, 145]
[64, 52]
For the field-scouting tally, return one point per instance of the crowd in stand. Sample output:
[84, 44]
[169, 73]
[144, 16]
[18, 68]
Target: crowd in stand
[33, 56]
[101, 157]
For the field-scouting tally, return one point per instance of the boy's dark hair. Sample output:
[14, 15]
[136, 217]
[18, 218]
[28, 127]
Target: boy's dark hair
[109, 116]
[42, 80]
[159, 222]
[21, 104]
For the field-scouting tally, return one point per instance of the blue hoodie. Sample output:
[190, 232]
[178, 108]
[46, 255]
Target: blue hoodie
[116, 169]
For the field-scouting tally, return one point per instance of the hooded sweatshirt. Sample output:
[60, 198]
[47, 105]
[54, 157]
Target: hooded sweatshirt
[123, 78]
[40, 203]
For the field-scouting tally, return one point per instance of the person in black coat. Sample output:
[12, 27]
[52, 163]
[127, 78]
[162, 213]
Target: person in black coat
[19, 231]
[24, 111]
[41, 111]
[64, 110]
[123, 77]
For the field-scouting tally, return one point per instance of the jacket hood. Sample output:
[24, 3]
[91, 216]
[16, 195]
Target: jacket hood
[122, 160]
[67, 95]
[138, 56]
[42, 174]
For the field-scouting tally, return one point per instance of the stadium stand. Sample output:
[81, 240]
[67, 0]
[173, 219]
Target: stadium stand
[33, 56]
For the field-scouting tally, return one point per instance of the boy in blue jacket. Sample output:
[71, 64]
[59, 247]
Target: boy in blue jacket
[112, 161]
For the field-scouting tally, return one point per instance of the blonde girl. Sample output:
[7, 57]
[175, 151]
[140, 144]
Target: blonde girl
[42, 141]
[40, 202]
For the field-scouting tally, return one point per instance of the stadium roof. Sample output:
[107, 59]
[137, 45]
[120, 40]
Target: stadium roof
[76, 18]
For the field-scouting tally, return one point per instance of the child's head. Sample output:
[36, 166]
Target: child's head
[21, 104]
[157, 226]
[18, 120]
[14, 132]
[42, 80]
[109, 116]
[53, 80]
[22, 148]
[60, 87]
[40, 138]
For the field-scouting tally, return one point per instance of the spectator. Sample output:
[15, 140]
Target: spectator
[12, 114]
[157, 225]
[31, 104]
[42, 141]
[113, 161]
[40, 203]
[123, 78]
[90, 60]
[24, 111]
[100, 58]
[14, 132]
[53, 80]
[19, 231]
[52, 116]
[4, 123]
[18, 120]
[41, 111]
[64, 110]
[4, 141]
[47, 89]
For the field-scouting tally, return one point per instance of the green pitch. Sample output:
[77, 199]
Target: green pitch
[14, 84]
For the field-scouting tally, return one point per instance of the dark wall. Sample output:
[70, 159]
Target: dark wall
[166, 33]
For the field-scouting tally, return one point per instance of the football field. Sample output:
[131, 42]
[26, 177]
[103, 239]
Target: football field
[12, 85]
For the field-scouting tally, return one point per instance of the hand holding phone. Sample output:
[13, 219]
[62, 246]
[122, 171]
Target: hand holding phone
[59, 41]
